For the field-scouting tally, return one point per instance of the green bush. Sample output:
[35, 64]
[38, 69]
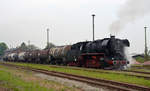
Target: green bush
[140, 59]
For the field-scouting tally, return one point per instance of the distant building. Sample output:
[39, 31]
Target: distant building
[138, 55]
[146, 63]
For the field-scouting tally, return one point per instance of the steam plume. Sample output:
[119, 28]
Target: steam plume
[128, 57]
[129, 12]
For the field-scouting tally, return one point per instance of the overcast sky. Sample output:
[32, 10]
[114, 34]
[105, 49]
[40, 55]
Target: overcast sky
[69, 21]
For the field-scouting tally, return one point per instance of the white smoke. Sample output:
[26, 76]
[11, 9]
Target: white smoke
[129, 12]
[128, 57]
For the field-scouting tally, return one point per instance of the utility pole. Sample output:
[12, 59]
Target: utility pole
[29, 45]
[28, 42]
[93, 15]
[146, 50]
[48, 37]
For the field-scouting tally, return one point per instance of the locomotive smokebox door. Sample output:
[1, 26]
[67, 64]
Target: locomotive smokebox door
[112, 36]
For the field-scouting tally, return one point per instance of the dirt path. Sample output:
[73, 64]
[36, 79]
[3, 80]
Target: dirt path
[71, 83]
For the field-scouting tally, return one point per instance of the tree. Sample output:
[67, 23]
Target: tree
[149, 53]
[32, 47]
[23, 47]
[3, 47]
[49, 45]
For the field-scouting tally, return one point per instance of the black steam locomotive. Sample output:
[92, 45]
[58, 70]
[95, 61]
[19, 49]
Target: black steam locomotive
[108, 52]
[104, 53]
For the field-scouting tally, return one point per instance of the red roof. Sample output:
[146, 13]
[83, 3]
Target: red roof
[146, 63]
[135, 62]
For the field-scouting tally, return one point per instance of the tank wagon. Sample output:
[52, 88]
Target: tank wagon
[102, 53]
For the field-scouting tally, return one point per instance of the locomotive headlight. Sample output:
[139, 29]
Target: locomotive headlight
[112, 58]
[75, 59]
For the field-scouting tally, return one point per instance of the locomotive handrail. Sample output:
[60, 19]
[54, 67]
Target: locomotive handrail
[93, 54]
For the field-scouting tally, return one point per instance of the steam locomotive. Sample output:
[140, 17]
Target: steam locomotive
[103, 53]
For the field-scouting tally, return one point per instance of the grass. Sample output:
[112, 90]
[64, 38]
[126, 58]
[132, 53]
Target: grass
[14, 83]
[140, 59]
[18, 80]
[107, 76]
[142, 68]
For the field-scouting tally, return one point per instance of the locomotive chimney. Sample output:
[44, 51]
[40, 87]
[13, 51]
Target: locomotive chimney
[112, 36]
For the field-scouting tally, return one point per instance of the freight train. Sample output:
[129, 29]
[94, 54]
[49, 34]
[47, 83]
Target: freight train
[103, 53]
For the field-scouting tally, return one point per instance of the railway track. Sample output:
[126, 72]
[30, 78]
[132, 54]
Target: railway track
[137, 72]
[139, 76]
[116, 72]
[92, 81]
[95, 70]
[127, 72]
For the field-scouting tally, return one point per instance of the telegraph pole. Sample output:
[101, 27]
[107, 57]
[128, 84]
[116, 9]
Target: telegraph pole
[146, 55]
[48, 37]
[28, 42]
[29, 45]
[93, 15]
